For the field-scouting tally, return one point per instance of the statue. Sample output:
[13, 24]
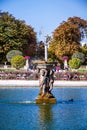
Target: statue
[51, 80]
[46, 80]
[43, 80]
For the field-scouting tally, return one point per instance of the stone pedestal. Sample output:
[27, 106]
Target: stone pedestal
[5, 66]
[26, 67]
[46, 99]
[46, 80]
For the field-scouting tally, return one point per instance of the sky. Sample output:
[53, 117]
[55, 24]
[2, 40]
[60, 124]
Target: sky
[44, 15]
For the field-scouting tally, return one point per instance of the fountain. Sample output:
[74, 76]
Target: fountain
[46, 80]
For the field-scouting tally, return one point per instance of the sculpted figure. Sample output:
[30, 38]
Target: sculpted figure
[51, 80]
[46, 81]
[42, 80]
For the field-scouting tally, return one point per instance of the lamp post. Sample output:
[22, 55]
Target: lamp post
[48, 38]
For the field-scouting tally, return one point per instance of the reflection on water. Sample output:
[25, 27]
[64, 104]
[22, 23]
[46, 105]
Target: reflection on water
[18, 110]
[45, 112]
[45, 116]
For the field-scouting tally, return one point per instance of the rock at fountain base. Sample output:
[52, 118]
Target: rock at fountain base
[47, 98]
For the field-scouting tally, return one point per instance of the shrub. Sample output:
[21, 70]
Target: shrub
[80, 56]
[18, 61]
[74, 63]
[50, 59]
[12, 53]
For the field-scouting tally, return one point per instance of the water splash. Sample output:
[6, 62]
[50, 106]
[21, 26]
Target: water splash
[18, 102]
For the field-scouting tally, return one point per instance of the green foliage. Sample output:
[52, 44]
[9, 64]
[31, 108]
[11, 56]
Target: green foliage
[80, 56]
[50, 59]
[40, 49]
[74, 63]
[82, 71]
[16, 35]
[84, 51]
[12, 53]
[18, 61]
[67, 37]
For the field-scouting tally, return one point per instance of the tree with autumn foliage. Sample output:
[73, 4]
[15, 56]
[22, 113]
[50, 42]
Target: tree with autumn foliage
[67, 37]
[15, 35]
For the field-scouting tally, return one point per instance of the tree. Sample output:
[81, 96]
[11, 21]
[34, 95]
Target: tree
[15, 35]
[52, 49]
[81, 25]
[12, 53]
[18, 61]
[67, 37]
[40, 50]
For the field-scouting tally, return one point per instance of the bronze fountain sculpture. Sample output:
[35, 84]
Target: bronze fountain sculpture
[46, 80]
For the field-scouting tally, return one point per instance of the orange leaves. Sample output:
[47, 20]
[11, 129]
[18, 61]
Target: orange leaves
[68, 36]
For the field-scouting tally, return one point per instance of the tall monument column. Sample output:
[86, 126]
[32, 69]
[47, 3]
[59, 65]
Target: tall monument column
[46, 52]
[46, 44]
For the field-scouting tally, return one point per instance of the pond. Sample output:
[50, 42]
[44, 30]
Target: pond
[18, 110]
